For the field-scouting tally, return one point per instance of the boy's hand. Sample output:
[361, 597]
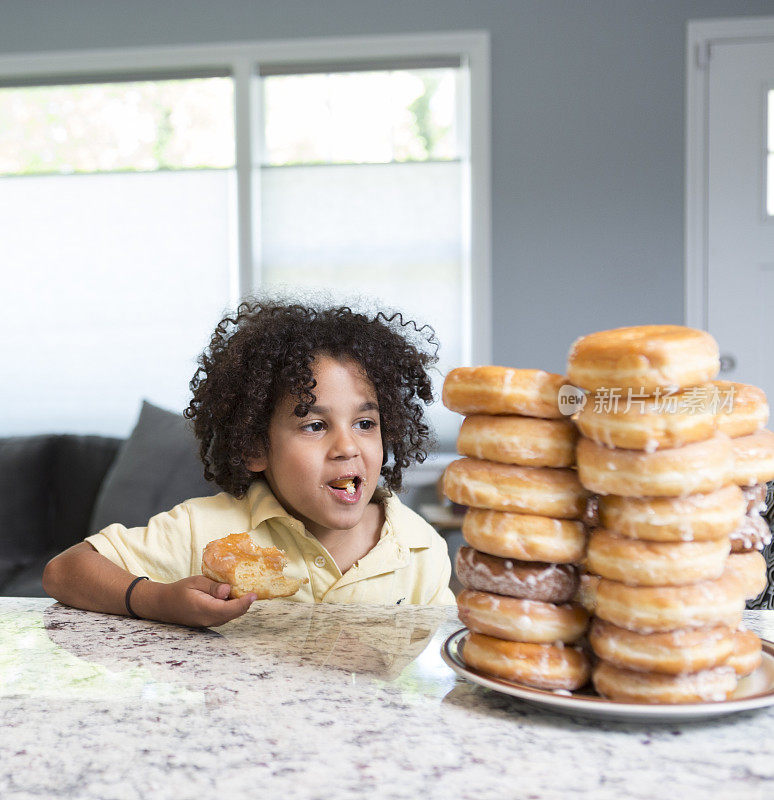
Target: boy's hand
[196, 601]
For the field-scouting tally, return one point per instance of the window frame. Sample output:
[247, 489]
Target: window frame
[243, 62]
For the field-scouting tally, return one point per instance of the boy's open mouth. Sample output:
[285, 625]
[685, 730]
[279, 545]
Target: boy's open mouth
[347, 488]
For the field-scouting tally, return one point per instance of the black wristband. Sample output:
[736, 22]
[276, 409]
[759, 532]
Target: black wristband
[129, 594]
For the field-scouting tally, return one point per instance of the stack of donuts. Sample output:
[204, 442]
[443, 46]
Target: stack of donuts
[522, 527]
[665, 589]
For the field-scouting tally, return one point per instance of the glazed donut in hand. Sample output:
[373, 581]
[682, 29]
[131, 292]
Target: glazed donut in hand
[503, 390]
[747, 653]
[506, 487]
[628, 686]
[648, 424]
[670, 652]
[521, 620]
[641, 563]
[746, 412]
[698, 467]
[543, 666]
[696, 517]
[238, 561]
[549, 583]
[650, 609]
[526, 441]
[753, 458]
[524, 537]
[643, 358]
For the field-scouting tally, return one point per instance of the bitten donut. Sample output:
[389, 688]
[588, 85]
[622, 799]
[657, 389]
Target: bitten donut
[698, 467]
[506, 487]
[753, 458]
[549, 583]
[503, 390]
[747, 653]
[628, 686]
[521, 620]
[641, 563]
[742, 408]
[648, 424]
[643, 358]
[649, 609]
[524, 537]
[526, 441]
[543, 666]
[671, 652]
[696, 517]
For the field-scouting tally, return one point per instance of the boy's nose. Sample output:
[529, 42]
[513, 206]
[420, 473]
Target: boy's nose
[344, 444]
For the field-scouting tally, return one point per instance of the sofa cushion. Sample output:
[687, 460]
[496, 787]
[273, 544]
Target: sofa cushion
[79, 467]
[156, 468]
[25, 498]
[27, 581]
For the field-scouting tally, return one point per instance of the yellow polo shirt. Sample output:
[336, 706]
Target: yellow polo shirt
[409, 564]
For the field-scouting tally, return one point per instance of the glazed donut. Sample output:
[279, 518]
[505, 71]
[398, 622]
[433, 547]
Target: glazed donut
[755, 496]
[753, 458]
[753, 534]
[587, 592]
[521, 620]
[527, 441]
[628, 686]
[643, 358]
[648, 424]
[697, 467]
[696, 517]
[749, 571]
[650, 609]
[524, 537]
[747, 653]
[747, 411]
[249, 569]
[503, 390]
[640, 563]
[671, 652]
[549, 583]
[506, 487]
[543, 666]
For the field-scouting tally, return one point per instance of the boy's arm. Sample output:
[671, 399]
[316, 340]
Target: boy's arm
[83, 578]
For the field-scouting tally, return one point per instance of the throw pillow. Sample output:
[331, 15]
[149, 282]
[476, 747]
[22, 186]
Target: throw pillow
[156, 468]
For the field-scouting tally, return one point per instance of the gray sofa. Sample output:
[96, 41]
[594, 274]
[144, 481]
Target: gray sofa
[57, 489]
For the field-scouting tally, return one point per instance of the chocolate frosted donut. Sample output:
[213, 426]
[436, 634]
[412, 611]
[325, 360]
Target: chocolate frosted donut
[527, 580]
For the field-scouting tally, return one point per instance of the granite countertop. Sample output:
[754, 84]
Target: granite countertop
[323, 701]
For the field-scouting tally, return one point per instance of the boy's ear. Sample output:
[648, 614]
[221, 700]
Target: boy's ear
[256, 463]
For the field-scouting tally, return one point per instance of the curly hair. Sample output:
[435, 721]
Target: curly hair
[265, 352]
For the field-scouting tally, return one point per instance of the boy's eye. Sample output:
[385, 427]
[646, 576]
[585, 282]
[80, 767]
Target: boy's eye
[314, 427]
[366, 424]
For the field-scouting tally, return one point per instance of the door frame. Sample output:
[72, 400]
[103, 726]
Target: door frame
[700, 37]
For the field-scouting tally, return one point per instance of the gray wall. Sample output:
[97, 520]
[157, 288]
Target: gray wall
[588, 134]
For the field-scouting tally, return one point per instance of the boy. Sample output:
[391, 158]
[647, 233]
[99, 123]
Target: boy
[295, 409]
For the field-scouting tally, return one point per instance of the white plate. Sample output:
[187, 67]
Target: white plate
[754, 691]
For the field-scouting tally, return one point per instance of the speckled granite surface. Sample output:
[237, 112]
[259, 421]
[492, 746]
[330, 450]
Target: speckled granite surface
[297, 701]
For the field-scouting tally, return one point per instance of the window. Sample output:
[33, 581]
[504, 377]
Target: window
[148, 191]
[361, 196]
[117, 232]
